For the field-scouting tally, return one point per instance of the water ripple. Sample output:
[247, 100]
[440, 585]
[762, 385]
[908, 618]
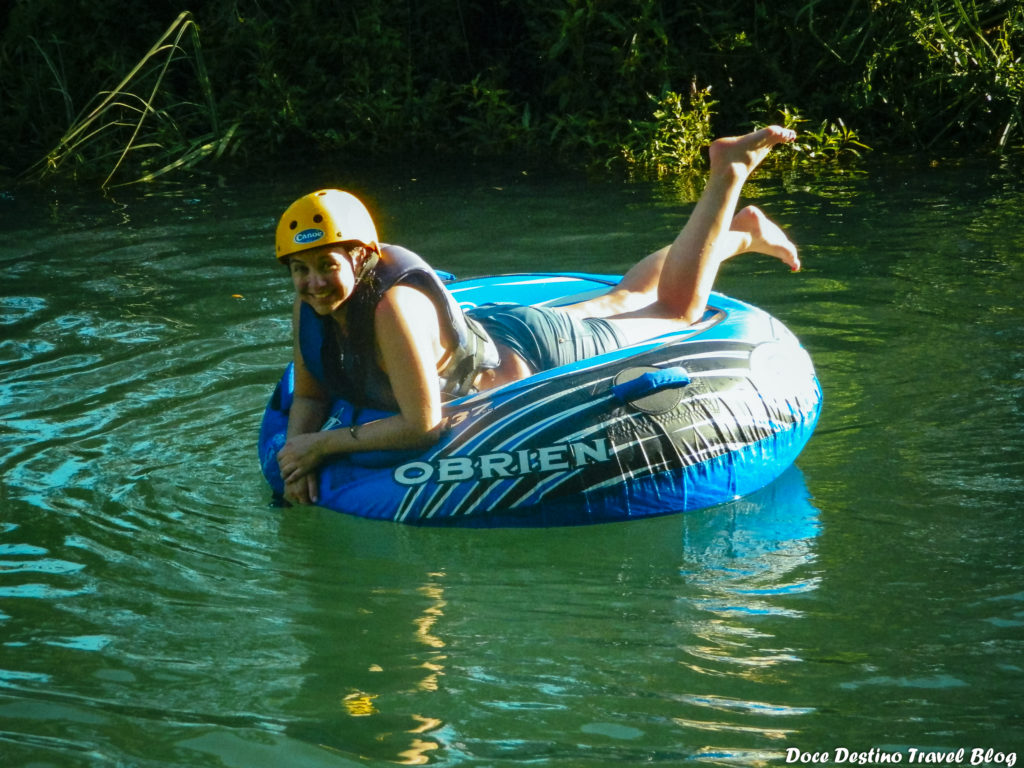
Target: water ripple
[157, 611]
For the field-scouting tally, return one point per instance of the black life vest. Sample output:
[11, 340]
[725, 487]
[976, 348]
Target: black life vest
[346, 363]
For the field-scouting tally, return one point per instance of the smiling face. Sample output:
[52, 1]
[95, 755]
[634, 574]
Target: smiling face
[323, 277]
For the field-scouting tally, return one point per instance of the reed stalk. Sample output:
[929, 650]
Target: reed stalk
[122, 110]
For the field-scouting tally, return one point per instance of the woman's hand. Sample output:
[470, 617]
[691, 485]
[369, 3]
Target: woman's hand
[300, 456]
[304, 490]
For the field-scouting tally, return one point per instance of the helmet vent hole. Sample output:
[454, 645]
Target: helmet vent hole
[318, 218]
[293, 225]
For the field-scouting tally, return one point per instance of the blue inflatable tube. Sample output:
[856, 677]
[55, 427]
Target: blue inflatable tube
[679, 422]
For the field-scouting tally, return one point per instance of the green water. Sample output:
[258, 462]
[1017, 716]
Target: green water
[155, 610]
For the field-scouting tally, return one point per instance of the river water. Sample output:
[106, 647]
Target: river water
[157, 610]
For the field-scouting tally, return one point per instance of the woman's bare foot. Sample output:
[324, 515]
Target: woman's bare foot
[765, 236]
[742, 154]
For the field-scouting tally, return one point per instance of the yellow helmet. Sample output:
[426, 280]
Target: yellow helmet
[325, 217]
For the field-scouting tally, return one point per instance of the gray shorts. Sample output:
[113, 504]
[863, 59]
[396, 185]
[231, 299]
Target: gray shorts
[546, 338]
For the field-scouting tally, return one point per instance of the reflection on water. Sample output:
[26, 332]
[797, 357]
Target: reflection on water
[509, 647]
[156, 610]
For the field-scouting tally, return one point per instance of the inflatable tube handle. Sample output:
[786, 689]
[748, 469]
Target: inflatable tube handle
[649, 382]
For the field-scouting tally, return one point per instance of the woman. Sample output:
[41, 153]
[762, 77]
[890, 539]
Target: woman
[375, 323]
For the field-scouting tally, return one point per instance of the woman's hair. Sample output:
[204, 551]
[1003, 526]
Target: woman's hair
[356, 252]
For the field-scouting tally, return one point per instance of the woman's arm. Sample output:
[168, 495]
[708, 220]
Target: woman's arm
[307, 414]
[409, 340]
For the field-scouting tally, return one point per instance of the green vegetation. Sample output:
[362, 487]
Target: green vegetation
[130, 89]
[118, 122]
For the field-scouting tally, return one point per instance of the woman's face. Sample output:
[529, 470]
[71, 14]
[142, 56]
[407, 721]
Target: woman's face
[323, 277]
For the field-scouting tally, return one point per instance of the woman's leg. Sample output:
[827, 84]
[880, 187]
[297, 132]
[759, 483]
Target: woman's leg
[751, 231]
[673, 284]
[694, 258]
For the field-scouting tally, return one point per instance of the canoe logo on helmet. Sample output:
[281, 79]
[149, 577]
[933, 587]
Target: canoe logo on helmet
[308, 236]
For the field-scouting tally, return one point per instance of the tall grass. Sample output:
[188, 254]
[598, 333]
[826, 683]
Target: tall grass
[978, 61]
[132, 120]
